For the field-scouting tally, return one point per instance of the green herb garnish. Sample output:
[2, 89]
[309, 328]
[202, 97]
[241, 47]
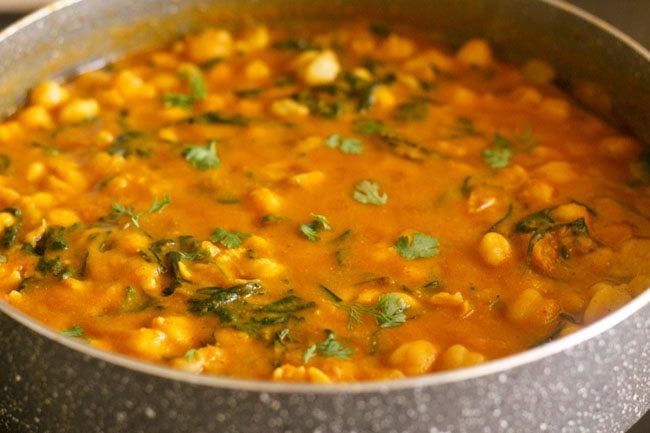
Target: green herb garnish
[178, 100]
[11, 233]
[128, 144]
[317, 225]
[367, 192]
[388, 312]
[203, 157]
[196, 82]
[75, 332]
[499, 155]
[54, 266]
[118, 211]
[135, 300]
[228, 239]
[417, 246]
[345, 145]
[329, 348]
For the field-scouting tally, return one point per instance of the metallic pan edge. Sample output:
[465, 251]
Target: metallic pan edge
[409, 403]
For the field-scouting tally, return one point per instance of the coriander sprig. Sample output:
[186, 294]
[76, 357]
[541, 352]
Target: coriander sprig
[313, 228]
[203, 157]
[118, 211]
[330, 348]
[417, 246]
[367, 192]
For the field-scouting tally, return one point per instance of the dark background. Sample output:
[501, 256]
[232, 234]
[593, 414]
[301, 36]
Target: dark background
[631, 16]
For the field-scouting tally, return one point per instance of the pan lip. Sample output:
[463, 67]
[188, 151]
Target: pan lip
[500, 366]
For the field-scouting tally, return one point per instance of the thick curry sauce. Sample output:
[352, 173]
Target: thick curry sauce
[355, 204]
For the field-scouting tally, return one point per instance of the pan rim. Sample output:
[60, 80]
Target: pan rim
[498, 366]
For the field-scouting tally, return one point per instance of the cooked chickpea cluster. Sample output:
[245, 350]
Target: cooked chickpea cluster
[330, 205]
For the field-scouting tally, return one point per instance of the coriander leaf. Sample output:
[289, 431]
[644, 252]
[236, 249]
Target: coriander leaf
[417, 246]
[178, 100]
[158, 206]
[367, 192]
[195, 80]
[390, 311]
[329, 348]
[310, 353]
[190, 355]
[498, 156]
[346, 145]
[351, 145]
[333, 141]
[203, 157]
[317, 225]
[228, 239]
[76, 332]
[118, 210]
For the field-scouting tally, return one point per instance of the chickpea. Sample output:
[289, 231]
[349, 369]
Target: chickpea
[458, 356]
[78, 110]
[606, 299]
[209, 44]
[539, 72]
[495, 249]
[415, 357]
[265, 200]
[476, 52]
[289, 108]
[36, 117]
[48, 94]
[257, 70]
[317, 68]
